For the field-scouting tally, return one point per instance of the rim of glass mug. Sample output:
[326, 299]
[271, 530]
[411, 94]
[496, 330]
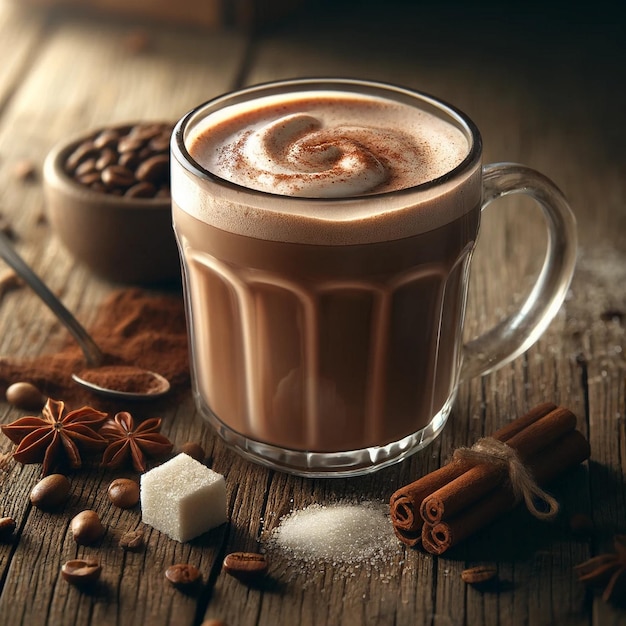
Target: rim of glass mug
[337, 221]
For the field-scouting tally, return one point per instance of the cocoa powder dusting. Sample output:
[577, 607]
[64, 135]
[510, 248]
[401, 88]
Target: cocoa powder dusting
[133, 328]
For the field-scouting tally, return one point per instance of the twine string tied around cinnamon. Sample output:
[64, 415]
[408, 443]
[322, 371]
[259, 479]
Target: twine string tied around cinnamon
[524, 486]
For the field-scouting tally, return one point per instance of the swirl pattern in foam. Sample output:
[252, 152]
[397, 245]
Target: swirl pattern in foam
[327, 145]
[390, 147]
[295, 156]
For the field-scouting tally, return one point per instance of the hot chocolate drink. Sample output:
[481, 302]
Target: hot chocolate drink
[326, 238]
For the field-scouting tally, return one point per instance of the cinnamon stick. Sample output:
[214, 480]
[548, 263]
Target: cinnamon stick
[406, 502]
[479, 480]
[461, 492]
[552, 461]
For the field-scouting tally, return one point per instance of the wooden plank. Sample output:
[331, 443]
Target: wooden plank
[19, 39]
[519, 90]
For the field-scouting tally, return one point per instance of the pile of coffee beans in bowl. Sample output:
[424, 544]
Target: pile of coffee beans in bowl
[108, 200]
[131, 161]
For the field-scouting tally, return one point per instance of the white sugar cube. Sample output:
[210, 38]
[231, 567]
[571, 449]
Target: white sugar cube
[183, 498]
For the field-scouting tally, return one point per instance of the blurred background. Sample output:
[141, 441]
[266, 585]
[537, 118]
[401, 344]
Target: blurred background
[544, 80]
[546, 84]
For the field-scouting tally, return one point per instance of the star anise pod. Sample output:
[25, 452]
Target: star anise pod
[608, 571]
[55, 439]
[124, 441]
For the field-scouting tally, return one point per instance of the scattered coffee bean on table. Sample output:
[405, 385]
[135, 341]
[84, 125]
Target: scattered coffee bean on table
[81, 572]
[86, 528]
[479, 575]
[183, 575]
[131, 161]
[194, 450]
[50, 492]
[7, 526]
[7, 229]
[245, 566]
[24, 395]
[10, 281]
[124, 493]
[132, 540]
[24, 170]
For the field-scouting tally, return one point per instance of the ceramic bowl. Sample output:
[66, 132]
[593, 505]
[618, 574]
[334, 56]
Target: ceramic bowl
[120, 238]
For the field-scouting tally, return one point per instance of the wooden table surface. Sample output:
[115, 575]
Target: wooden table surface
[546, 91]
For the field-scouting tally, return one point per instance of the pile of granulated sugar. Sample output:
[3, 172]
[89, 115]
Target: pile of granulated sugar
[341, 534]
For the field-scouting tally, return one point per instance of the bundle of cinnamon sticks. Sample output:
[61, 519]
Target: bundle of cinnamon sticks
[448, 505]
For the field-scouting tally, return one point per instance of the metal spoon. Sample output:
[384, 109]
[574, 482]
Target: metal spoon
[93, 355]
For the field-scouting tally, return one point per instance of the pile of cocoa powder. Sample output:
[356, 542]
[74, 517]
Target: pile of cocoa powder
[132, 327]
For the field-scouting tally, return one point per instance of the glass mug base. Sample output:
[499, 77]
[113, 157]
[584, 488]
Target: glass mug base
[341, 464]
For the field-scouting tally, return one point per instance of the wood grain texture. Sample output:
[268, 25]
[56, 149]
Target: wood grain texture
[546, 92]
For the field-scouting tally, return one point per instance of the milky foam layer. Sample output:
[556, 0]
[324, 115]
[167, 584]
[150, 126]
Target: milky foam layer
[385, 143]
[326, 145]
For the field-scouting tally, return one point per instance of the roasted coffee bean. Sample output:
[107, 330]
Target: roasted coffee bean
[50, 492]
[82, 152]
[161, 143]
[146, 132]
[129, 160]
[7, 526]
[25, 396]
[81, 572]
[130, 144]
[107, 157]
[7, 229]
[117, 176]
[245, 566]
[479, 574]
[194, 450]
[86, 167]
[24, 170]
[9, 281]
[183, 575]
[145, 153]
[141, 190]
[154, 169]
[124, 493]
[132, 540]
[90, 179]
[86, 528]
[108, 138]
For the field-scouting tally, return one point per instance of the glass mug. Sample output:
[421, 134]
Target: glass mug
[326, 333]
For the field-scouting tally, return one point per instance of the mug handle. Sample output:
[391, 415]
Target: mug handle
[515, 334]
